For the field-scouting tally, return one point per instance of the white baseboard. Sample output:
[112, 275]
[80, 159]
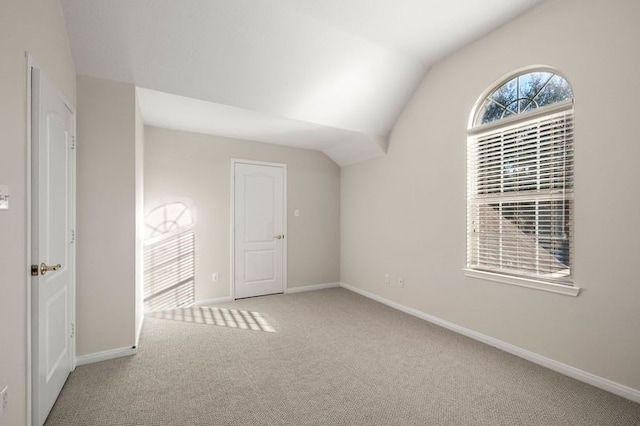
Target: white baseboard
[213, 301]
[567, 370]
[311, 287]
[105, 355]
[206, 302]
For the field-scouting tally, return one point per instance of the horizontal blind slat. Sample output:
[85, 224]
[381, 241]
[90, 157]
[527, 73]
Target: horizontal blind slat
[520, 191]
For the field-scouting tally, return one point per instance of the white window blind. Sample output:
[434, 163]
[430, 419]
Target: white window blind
[520, 195]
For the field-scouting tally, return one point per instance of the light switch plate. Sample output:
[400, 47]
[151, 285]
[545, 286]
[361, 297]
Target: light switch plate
[4, 197]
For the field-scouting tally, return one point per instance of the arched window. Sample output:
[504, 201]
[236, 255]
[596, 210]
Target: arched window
[523, 93]
[520, 180]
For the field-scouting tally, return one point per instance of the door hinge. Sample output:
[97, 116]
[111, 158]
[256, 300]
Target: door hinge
[73, 236]
[73, 142]
[73, 330]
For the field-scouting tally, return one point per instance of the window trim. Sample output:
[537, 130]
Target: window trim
[514, 120]
[504, 79]
[569, 288]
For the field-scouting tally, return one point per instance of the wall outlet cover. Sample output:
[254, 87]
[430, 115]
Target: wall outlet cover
[4, 197]
[4, 400]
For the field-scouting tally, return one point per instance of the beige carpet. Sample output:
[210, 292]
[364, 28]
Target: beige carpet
[333, 358]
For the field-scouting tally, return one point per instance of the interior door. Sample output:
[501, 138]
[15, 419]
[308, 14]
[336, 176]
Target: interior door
[259, 240]
[53, 255]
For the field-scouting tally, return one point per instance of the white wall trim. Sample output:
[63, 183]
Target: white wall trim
[212, 301]
[567, 370]
[568, 290]
[105, 355]
[139, 331]
[311, 287]
[31, 63]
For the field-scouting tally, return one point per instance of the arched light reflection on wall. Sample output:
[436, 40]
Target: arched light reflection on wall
[169, 258]
[168, 218]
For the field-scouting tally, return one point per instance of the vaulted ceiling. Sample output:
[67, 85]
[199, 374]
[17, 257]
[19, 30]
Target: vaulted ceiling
[331, 75]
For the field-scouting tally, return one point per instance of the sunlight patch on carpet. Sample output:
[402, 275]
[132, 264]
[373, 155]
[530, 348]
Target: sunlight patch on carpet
[222, 317]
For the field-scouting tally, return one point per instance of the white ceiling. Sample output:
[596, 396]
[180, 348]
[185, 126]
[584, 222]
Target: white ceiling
[331, 75]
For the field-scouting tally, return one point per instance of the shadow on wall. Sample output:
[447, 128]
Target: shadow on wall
[169, 258]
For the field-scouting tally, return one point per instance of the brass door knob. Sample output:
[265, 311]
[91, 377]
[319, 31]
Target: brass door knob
[44, 268]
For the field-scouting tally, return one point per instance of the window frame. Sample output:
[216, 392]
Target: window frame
[565, 286]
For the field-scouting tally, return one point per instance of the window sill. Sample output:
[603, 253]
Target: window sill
[524, 282]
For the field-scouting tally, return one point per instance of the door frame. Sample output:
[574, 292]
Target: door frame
[232, 211]
[31, 65]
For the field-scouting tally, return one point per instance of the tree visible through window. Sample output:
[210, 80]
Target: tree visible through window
[520, 179]
[524, 93]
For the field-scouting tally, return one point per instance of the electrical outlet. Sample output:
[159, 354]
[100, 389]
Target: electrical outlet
[401, 281]
[4, 400]
[215, 277]
[4, 197]
[386, 279]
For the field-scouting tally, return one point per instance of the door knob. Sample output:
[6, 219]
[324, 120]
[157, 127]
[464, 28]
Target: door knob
[279, 237]
[44, 268]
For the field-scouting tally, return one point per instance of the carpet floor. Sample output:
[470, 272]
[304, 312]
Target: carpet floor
[328, 357]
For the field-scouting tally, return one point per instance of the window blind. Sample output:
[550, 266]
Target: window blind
[520, 197]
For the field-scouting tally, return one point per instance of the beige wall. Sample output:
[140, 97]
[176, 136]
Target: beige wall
[106, 215]
[37, 27]
[405, 214]
[195, 167]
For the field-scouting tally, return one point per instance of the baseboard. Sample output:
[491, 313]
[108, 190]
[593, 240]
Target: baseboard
[213, 301]
[311, 287]
[206, 302]
[567, 370]
[105, 355]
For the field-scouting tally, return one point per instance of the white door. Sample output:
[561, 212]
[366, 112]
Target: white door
[52, 255]
[259, 242]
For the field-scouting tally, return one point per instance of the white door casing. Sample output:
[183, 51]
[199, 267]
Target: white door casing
[52, 243]
[259, 237]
